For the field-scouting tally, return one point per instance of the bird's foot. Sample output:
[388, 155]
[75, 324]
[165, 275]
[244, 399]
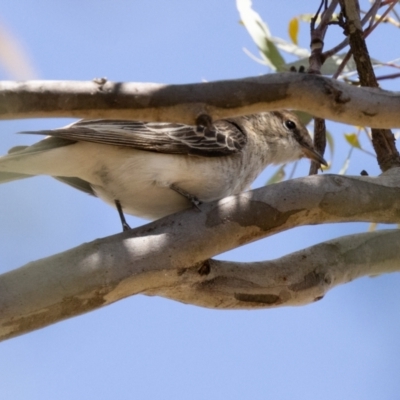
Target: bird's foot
[125, 226]
[193, 199]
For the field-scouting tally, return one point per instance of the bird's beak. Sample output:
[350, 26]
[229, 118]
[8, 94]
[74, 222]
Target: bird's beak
[314, 155]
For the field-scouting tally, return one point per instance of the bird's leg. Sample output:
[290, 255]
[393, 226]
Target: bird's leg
[193, 199]
[125, 226]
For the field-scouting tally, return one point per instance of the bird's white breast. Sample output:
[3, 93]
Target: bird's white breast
[140, 180]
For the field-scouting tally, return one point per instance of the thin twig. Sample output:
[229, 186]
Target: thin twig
[345, 42]
[390, 76]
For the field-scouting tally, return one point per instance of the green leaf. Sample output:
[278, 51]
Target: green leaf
[352, 139]
[290, 48]
[256, 27]
[268, 45]
[331, 142]
[260, 34]
[278, 176]
[272, 54]
[330, 66]
[304, 117]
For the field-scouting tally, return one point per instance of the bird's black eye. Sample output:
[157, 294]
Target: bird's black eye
[290, 124]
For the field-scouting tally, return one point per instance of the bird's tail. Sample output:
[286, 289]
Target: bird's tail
[13, 176]
[20, 152]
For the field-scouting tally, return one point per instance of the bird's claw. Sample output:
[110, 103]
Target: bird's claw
[195, 202]
[193, 199]
[125, 227]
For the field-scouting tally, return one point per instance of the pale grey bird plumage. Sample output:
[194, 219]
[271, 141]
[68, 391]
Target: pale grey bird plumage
[153, 169]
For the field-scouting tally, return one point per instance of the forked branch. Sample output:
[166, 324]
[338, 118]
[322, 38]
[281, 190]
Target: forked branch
[169, 258]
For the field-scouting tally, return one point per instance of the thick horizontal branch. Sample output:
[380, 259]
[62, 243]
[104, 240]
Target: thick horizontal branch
[155, 258]
[296, 279]
[320, 96]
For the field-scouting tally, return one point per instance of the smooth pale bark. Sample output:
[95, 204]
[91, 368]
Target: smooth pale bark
[318, 95]
[170, 257]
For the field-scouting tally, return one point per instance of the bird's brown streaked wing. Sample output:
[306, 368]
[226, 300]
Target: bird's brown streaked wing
[46, 144]
[223, 138]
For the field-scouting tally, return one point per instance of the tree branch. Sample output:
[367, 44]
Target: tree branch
[383, 140]
[316, 61]
[298, 278]
[317, 95]
[167, 257]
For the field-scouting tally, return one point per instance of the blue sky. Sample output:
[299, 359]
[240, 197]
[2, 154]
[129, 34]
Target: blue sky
[345, 346]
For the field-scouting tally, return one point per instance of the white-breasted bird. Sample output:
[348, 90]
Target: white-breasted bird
[152, 169]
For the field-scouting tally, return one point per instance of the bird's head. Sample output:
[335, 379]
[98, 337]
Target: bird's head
[286, 136]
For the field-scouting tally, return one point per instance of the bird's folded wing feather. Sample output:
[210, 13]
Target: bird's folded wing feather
[222, 138]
